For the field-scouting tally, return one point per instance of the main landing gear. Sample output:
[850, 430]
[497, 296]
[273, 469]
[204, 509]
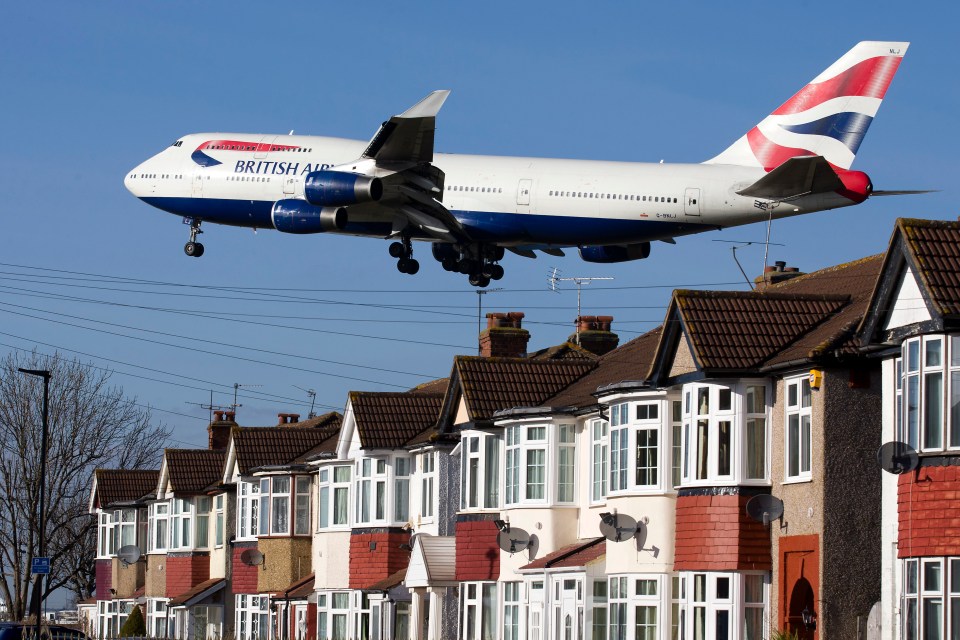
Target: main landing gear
[193, 248]
[477, 261]
[403, 252]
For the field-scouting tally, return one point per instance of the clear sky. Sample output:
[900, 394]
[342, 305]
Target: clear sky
[91, 89]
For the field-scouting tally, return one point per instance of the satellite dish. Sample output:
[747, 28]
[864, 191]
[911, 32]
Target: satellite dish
[897, 457]
[251, 557]
[617, 527]
[764, 508]
[513, 540]
[128, 554]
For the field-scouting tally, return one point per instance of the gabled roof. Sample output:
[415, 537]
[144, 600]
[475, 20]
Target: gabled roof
[432, 562]
[330, 421]
[629, 361]
[579, 554]
[488, 385]
[298, 589]
[434, 386]
[117, 486]
[391, 581]
[931, 250]
[565, 351]
[192, 471]
[391, 420]
[256, 447]
[198, 593]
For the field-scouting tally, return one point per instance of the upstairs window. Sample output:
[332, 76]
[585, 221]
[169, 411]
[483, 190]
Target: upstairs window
[635, 446]
[159, 514]
[928, 388]
[181, 524]
[479, 471]
[401, 490]
[248, 510]
[334, 496]
[371, 490]
[600, 447]
[799, 439]
[428, 478]
[540, 463]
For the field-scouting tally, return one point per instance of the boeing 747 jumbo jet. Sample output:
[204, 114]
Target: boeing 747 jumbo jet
[471, 208]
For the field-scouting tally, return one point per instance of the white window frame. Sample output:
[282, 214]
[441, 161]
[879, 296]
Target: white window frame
[916, 374]
[400, 502]
[252, 617]
[181, 524]
[159, 538]
[301, 505]
[707, 600]
[157, 617]
[248, 509]
[484, 450]
[479, 603]
[626, 595]
[512, 610]
[599, 459]
[328, 610]
[427, 466]
[919, 592]
[798, 406]
[334, 489]
[219, 518]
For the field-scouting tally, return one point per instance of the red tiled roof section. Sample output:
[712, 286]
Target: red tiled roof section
[738, 330]
[579, 554]
[298, 589]
[269, 446]
[390, 420]
[124, 485]
[186, 596]
[389, 582]
[191, 471]
[492, 384]
[630, 361]
[934, 246]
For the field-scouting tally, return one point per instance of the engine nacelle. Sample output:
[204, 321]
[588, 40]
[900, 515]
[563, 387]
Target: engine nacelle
[615, 252]
[340, 189]
[297, 216]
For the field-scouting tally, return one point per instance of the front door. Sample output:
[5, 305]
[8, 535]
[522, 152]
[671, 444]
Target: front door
[263, 147]
[197, 185]
[568, 608]
[523, 192]
[691, 202]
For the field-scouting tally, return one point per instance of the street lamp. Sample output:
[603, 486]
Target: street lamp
[38, 599]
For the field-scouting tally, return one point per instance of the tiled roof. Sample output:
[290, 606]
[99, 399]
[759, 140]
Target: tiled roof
[391, 420]
[741, 330]
[565, 351]
[934, 246]
[124, 485]
[202, 589]
[270, 446]
[493, 384]
[191, 471]
[629, 361]
[389, 582]
[298, 589]
[579, 554]
[330, 421]
[434, 386]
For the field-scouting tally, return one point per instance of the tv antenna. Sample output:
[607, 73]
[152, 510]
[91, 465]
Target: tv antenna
[580, 281]
[313, 398]
[480, 293]
[210, 406]
[742, 244]
[236, 388]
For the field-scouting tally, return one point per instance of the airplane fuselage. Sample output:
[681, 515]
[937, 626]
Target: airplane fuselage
[235, 179]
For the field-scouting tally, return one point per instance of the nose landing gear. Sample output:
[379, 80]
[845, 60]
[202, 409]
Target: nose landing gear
[403, 252]
[193, 248]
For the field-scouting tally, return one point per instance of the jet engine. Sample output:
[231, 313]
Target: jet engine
[615, 252]
[297, 216]
[340, 189]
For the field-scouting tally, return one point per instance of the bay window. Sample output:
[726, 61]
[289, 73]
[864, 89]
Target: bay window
[630, 453]
[928, 390]
[282, 499]
[511, 610]
[252, 618]
[106, 537]
[724, 433]
[798, 423]
[540, 463]
[401, 490]
[202, 504]
[218, 517]
[599, 432]
[334, 502]
[371, 491]
[720, 605]
[301, 506]
[930, 606]
[428, 475]
[181, 523]
[479, 471]
[634, 607]
[159, 513]
[248, 509]
[479, 611]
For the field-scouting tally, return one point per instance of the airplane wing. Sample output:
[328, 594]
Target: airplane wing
[401, 155]
[796, 177]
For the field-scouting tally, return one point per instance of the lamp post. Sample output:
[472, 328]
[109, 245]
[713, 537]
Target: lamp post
[42, 373]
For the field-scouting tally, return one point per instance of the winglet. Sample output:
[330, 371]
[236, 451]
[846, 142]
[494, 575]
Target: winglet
[428, 107]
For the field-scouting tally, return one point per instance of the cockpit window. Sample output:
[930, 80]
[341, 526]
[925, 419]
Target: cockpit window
[178, 143]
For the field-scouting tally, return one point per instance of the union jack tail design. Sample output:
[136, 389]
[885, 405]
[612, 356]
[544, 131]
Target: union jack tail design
[828, 117]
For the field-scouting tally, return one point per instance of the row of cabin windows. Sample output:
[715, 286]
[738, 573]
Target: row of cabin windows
[476, 189]
[612, 196]
[162, 176]
[272, 149]
[247, 179]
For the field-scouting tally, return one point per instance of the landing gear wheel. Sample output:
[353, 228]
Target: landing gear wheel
[193, 249]
[449, 264]
[408, 265]
[495, 271]
[479, 280]
[397, 250]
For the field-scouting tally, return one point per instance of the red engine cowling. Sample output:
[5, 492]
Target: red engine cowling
[856, 185]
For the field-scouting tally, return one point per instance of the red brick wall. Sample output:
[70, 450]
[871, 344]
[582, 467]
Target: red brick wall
[244, 575]
[929, 510]
[478, 556]
[714, 533]
[104, 579]
[368, 566]
[185, 572]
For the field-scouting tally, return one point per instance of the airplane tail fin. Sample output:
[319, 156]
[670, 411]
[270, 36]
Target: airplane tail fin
[828, 117]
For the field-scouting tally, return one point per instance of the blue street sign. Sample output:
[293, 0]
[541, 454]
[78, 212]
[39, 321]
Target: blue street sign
[40, 565]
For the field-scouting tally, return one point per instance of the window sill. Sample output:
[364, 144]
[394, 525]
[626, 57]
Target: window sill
[790, 481]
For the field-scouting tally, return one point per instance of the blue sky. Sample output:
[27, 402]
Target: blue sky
[92, 89]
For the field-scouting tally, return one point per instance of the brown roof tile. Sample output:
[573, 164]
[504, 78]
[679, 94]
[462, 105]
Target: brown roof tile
[391, 420]
[389, 582]
[191, 471]
[195, 591]
[331, 421]
[629, 361]
[934, 246]
[268, 446]
[493, 384]
[298, 589]
[565, 351]
[434, 386]
[124, 485]
[579, 554]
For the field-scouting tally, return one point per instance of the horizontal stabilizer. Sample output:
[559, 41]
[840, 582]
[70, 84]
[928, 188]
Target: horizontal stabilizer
[796, 177]
[903, 192]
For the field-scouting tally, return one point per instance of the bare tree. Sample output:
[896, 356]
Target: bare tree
[91, 425]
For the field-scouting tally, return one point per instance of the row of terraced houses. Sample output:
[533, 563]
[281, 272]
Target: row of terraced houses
[592, 489]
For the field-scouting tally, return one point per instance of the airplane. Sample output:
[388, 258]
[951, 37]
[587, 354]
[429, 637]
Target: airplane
[473, 208]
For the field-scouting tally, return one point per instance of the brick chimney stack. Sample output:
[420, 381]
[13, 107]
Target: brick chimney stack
[219, 429]
[775, 274]
[504, 336]
[595, 334]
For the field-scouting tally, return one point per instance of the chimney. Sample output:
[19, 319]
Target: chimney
[775, 274]
[504, 336]
[219, 429]
[287, 418]
[595, 335]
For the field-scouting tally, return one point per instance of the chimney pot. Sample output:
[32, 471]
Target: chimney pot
[595, 334]
[504, 336]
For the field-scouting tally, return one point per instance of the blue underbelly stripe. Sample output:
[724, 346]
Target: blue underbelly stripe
[480, 225]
